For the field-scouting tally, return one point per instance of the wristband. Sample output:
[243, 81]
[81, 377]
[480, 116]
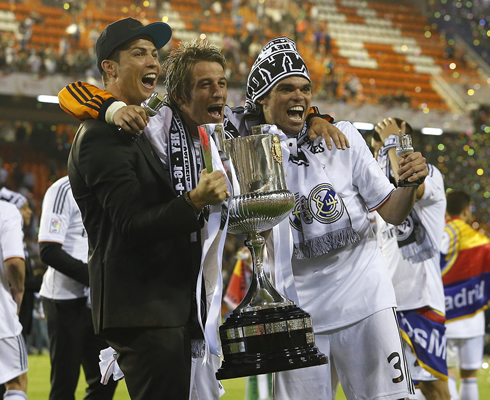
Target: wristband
[112, 109]
[187, 198]
[390, 142]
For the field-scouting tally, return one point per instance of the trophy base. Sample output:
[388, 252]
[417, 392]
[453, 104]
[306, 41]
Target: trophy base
[270, 340]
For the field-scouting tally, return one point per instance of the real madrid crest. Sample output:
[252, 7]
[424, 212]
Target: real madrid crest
[276, 150]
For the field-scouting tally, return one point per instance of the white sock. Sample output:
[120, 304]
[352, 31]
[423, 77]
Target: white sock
[453, 389]
[469, 389]
[15, 395]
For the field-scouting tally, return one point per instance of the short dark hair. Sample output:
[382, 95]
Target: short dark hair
[115, 56]
[457, 201]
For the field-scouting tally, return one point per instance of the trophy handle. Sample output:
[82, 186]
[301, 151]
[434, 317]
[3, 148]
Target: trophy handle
[261, 293]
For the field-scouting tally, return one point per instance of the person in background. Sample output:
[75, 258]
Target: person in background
[64, 293]
[34, 276]
[32, 279]
[13, 353]
[465, 265]
[412, 253]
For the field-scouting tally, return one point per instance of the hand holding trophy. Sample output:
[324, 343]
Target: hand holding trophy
[404, 146]
[266, 332]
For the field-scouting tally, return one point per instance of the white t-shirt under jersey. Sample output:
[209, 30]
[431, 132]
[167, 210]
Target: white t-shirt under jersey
[11, 245]
[418, 284]
[351, 283]
[61, 222]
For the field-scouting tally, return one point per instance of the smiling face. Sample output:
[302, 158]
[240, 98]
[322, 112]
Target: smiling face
[287, 104]
[208, 93]
[133, 78]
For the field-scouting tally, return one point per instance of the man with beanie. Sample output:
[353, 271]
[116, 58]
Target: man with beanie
[143, 260]
[339, 273]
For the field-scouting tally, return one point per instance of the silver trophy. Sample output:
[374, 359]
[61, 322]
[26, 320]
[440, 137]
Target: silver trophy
[404, 146]
[267, 332]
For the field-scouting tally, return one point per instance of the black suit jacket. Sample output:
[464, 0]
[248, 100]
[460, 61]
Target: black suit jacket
[142, 263]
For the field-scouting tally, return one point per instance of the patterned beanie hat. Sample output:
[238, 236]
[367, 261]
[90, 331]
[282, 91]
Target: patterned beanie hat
[279, 59]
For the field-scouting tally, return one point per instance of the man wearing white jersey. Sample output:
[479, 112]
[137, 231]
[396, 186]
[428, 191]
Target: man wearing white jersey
[13, 354]
[411, 250]
[465, 263]
[64, 247]
[338, 271]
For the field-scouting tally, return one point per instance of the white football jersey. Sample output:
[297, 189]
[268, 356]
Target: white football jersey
[418, 284]
[351, 283]
[11, 245]
[61, 222]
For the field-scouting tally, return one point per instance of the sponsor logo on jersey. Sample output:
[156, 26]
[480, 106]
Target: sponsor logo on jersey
[55, 226]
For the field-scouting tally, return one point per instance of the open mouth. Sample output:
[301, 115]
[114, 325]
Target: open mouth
[149, 80]
[296, 113]
[216, 111]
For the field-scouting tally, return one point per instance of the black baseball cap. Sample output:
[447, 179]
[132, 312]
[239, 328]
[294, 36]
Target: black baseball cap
[119, 32]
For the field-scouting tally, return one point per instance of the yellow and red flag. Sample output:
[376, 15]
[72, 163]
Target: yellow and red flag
[465, 269]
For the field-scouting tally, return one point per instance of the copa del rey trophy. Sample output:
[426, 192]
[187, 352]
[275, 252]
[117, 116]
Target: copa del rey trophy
[266, 332]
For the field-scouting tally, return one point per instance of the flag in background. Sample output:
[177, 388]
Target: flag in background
[240, 279]
[465, 269]
[257, 387]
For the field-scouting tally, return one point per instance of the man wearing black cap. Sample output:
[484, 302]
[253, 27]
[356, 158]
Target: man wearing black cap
[143, 265]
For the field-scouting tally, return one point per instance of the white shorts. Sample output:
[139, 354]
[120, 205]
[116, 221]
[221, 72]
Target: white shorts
[204, 384]
[465, 353]
[366, 357]
[13, 360]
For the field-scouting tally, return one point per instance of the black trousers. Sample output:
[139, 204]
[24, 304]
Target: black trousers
[156, 361]
[73, 343]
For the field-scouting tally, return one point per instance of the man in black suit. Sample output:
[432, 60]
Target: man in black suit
[143, 264]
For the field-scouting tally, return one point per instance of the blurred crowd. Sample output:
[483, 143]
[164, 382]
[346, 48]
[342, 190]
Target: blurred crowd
[468, 19]
[69, 57]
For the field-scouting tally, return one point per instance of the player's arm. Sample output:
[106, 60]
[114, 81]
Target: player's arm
[53, 255]
[401, 201]
[15, 272]
[321, 125]
[85, 101]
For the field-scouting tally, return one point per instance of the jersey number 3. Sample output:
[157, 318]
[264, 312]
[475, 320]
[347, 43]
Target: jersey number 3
[396, 365]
